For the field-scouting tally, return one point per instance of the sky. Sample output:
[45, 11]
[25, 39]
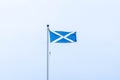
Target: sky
[95, 55]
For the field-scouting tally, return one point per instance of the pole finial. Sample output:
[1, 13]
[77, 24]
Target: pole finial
[47, 25]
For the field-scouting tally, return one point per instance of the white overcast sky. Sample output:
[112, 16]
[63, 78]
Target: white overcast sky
[96, 55]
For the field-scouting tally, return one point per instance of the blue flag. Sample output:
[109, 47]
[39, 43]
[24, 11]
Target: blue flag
[62, 37]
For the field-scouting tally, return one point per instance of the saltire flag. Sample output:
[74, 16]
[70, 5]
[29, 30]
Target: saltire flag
[62, 37]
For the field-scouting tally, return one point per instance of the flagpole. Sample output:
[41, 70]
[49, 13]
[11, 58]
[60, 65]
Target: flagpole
[47, 53]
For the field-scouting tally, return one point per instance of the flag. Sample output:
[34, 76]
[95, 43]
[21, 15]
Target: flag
[62, 37]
